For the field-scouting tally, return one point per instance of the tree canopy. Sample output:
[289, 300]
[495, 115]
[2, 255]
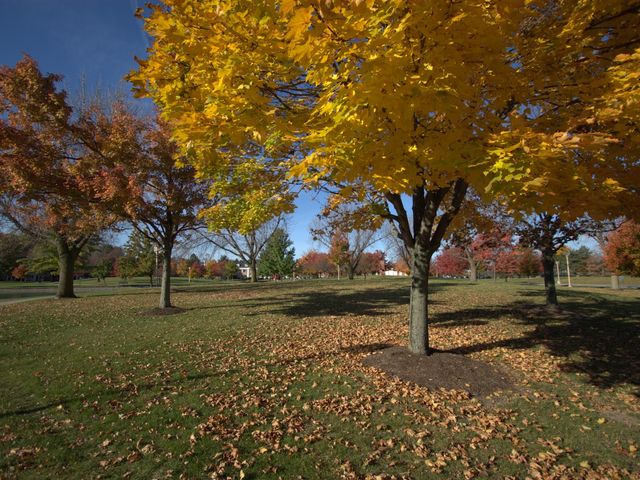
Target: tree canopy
[400, 102]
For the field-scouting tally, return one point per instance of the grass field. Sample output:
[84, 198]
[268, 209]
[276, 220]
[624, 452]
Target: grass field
[625, 280]
[109, 282]
[266, 381]
[20, 291]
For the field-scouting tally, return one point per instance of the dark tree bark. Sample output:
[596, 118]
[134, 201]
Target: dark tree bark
[68, 252]
[548, 264]
[351, 271]
[66, 261]
[419, 300]
[165, 288]
[431, 218]
[253, 270]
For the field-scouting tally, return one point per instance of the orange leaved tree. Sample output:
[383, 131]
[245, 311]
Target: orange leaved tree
[52, 162]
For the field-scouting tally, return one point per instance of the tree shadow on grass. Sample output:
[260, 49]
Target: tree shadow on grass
[594, 334]
[326, 302]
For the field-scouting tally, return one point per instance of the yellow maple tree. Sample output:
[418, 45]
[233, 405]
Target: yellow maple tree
[409, 101]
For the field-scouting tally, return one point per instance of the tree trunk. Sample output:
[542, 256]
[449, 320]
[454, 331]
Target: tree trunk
[473, 272]
[418, 301]
[165, 288]
[253, 270]
[338, 268]
[350, 272]
[473, 268]
[615, 282]
[549, 282]
[557, 272]
[66, 261]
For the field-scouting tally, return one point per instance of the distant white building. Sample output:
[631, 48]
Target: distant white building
[394, 273]
[243, 268]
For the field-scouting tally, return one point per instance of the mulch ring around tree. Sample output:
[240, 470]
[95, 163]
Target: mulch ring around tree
[163, 311]
[442, 370]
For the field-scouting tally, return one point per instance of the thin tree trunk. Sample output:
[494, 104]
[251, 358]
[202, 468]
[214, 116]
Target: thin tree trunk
[66, 261]
[165, 288]
[549, 283]
[253, 270]
[615, 282]
[418, 301]
[473, 268]
[568, 272]
[557, 272]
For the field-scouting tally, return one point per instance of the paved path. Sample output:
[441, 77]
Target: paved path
[11, 301]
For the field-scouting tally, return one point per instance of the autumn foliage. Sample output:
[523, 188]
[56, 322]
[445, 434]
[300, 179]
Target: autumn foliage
[622, 251]
[54, 159]
[451, 262]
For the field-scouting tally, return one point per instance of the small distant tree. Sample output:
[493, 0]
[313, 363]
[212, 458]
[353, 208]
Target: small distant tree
[622, 251]
[451, 262]
[481, 234]
[102, 270]
[508, 262]
[596, 265]
[246, 246]
[230, 269]
[338, 250]
[20, 272]
[197, 270]
[371, 263]
[182, 267]
[347, 229]
[314, 264]
[401, 266]
[489, 248]
[213, 269]
[140, 248]
[126, 267]
[579, 258]
[529, 264]
[278, 257]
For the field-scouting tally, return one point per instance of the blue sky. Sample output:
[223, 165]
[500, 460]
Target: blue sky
[97, 40]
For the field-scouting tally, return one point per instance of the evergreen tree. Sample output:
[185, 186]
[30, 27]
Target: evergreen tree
[278, 256]
[579, 260]
[141, 253]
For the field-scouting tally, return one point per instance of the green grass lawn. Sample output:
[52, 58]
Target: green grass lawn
[20, 291]
[266, 381]
[625, 280]
[109, 282]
